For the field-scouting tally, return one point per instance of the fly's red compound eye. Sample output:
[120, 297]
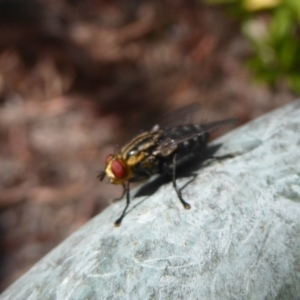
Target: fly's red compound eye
[108, 158]
[118, 169]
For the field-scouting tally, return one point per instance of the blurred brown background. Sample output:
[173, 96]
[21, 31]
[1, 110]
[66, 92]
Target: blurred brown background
[78, 77]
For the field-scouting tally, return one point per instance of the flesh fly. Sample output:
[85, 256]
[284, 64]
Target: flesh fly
[157, 151]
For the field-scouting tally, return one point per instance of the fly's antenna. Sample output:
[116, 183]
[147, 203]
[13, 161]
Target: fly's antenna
[101, 175]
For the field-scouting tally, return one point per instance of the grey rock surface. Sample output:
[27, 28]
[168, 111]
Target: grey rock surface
[240, 239]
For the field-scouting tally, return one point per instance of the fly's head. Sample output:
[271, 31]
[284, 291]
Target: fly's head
[116, 169]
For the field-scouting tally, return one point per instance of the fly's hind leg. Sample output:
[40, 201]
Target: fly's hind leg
[126, 190]
[209, 159]
[222, 157]
[184, 203]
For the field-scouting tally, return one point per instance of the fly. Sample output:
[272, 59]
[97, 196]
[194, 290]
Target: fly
[157, 151]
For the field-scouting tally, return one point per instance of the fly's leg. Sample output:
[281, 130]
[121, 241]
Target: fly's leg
[223, 157]
[123, 193]
[211, 159]
[184, 203]
[126, 190]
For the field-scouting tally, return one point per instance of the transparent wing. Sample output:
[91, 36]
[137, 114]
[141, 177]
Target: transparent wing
[178, 116]
[169, 145]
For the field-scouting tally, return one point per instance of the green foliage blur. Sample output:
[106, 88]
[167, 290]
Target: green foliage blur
[273, 29]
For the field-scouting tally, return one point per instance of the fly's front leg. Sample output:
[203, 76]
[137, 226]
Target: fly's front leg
[127, 191]
[123, 193]
[184, 203]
